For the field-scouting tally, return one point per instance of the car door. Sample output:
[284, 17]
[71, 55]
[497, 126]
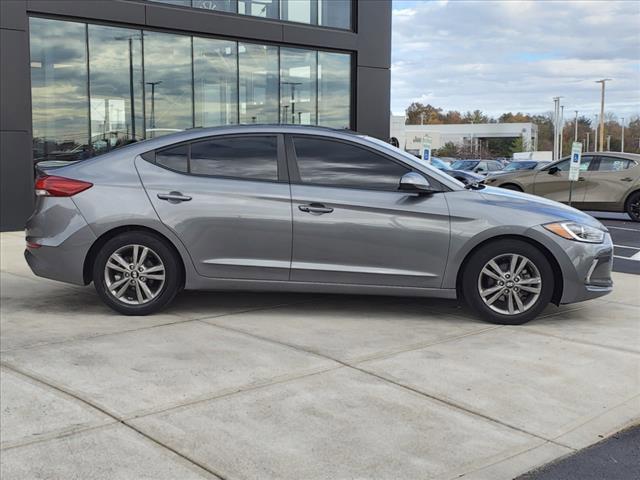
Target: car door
[553, 181]
[610, 180]
[227, 198]
[351, 224]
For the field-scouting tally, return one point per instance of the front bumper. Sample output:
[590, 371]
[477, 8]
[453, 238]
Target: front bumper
[586, 267]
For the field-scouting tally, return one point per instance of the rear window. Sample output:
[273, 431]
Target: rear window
[174, 158]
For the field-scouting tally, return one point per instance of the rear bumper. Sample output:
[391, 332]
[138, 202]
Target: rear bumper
[64, 238]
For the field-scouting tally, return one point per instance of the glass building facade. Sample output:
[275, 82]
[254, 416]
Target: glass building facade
[326, 13]
[97, 87]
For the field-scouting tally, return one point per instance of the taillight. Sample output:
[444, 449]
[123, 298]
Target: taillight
[52, 186]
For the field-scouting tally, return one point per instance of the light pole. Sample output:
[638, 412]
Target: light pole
[622, 137]
[575, 135]
[595, 139]
[561, 129]
[603, 82]
[556, 114]
[608, 143]
[153, 101]
[587, 147]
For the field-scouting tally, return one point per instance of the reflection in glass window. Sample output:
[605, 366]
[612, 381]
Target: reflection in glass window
[59, 90]
[259, 8]
[339, 164]
[217, 5]
[334, 89]
[259, 87]
[334, 13]
[181, 3]
[115, 69]
[298, 79]
[304, 11]
[168, 87]
[249, 158]
[215, 74]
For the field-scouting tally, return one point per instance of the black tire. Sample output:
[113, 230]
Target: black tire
[511, 186]
[474, 266]
[166, 290]
[632, 206]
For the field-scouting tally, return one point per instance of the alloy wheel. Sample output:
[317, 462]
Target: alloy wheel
[634, 208]
[134, 274]
[509, 284]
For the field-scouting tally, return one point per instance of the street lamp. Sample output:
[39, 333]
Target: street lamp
[575, 135]
[561, 141]
[595, 138]
[603, 82]
[622, 139]
[153, 101]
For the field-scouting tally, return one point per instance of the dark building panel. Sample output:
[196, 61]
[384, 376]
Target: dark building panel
[16, 172]
[373, 111]
[374, 34]
[12, 14]
[309, 35]
[105, 10]
[15, 113]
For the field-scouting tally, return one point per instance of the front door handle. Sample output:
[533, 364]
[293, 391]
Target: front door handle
[174, 197]
[626, 179]
[581, 179]
[315, 208]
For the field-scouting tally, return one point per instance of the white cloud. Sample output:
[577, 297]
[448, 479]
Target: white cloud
[516, 55]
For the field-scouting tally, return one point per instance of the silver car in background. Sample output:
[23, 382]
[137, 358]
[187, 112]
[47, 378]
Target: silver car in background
[304, 209]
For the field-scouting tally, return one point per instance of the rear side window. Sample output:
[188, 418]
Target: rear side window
[332, 163]
[174, 158]
[249, 158]
[610, 164]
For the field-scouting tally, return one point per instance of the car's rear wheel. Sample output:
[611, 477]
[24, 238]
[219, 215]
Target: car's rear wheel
[511, 186]
[508, 282]
[136, 273]
[633, 206]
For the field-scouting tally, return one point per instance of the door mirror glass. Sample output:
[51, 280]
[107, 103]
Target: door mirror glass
[416, 183]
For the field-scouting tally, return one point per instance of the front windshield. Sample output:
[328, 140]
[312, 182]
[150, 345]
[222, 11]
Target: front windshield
[520, 166]
[464, 165]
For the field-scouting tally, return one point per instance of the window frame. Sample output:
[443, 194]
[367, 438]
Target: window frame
[296, 179]
[281, 164]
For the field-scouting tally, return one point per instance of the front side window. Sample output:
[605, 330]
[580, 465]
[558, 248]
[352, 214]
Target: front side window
[247, 158]
[332, 163]
[611, 164]
[564, 166]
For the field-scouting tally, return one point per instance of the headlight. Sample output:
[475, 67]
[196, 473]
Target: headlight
[576, 231]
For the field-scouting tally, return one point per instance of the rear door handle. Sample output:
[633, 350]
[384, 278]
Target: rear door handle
[174, 197]
[626, 179]
[315, 208]
[581, 179]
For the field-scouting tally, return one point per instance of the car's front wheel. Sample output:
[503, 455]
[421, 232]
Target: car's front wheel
[508, 282]
[136, 273]
[633, 206]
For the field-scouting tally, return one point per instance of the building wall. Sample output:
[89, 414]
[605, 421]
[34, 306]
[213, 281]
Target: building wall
[370, 44]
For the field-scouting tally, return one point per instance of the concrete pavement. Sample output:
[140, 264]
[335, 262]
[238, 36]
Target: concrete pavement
[242, 385]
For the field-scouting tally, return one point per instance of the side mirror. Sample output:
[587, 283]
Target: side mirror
[415, 183]
[553, 170]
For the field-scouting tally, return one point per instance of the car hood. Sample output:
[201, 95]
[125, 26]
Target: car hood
[553, 211]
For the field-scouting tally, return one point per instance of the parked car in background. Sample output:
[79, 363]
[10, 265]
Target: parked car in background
[609, 181]
[306, 209]
[460, 175]
[481, 167]
[519, 165]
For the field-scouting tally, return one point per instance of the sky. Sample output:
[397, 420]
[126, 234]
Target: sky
[512, 55]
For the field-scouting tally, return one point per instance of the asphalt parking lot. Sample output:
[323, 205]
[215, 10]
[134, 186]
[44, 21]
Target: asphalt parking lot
[626, 239]
[245, 385]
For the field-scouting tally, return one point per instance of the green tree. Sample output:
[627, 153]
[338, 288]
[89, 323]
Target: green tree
[449, 149]
[417, 112]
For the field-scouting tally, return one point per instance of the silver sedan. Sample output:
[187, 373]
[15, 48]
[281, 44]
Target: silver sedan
[304, 209]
